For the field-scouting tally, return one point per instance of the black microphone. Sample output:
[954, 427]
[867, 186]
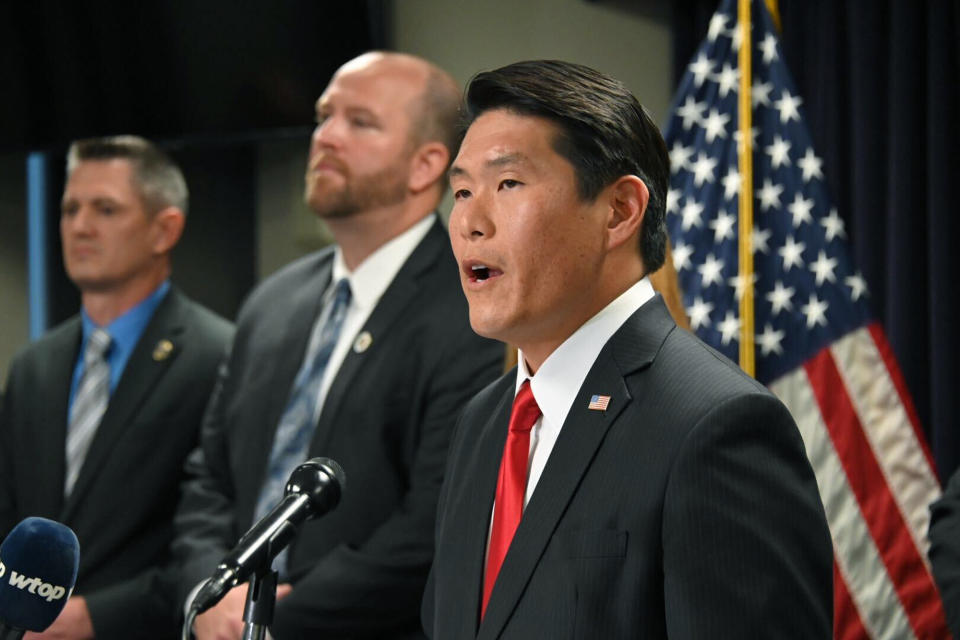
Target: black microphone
[38, 568]
[313, 489]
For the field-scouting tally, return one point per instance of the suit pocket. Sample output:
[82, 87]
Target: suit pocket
[593, 543]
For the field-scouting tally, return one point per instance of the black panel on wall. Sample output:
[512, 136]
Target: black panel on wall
[63, 299]
[165, 69]
[215, 260]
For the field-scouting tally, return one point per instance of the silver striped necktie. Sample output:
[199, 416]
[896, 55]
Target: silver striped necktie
[89, 404]
[291, 442]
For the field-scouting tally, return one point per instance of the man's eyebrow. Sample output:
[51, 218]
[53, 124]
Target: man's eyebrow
[506, 159]
[501, 160]
[322, 107]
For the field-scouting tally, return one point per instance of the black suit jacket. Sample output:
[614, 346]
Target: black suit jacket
[387, 418]
[122, 504]
[945, 550]
[687, 509]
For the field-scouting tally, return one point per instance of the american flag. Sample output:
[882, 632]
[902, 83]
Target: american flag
[817, 345]
[599, 403]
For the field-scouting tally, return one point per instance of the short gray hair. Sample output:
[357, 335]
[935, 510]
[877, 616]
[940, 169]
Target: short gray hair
[157, 178]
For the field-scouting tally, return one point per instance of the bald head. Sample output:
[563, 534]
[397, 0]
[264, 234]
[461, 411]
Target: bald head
[435, 107]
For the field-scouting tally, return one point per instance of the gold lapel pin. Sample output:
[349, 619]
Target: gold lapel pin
[163, 350]
[363, 342]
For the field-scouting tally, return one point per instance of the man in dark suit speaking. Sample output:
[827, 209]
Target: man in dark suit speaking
[625, 481]
[100, 413]
[362, 353]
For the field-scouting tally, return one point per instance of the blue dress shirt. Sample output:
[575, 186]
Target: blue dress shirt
[125, 332]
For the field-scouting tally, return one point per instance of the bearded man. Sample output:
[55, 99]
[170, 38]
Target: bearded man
[361, 352]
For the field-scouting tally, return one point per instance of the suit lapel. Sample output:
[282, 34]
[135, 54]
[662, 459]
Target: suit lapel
[297, 324]
[398, 296]
[473, 506]
[632, 347]
[156, 350]
[54, 409]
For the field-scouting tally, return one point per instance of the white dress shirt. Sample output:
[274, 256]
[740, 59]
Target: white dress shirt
[367, 285]
[561, 375]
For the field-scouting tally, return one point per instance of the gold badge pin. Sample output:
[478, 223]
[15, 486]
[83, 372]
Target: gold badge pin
[163, 350]
[363, 342]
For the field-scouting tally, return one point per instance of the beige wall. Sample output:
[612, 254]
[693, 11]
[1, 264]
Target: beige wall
[14, 319]
[286, 228]
[631, 44]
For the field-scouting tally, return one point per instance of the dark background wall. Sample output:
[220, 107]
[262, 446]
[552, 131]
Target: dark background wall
[228, 89]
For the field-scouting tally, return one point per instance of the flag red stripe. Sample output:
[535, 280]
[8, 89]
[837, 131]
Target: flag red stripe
[896, 376]
[909, 574]
[847, 624]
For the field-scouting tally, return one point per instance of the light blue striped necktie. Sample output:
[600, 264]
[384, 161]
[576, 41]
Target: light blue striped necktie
[292, 440]
[89, 404]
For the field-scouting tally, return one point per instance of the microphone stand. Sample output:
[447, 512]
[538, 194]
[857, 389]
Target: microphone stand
[258, 611]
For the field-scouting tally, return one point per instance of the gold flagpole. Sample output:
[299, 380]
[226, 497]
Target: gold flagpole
[745, 152]
[774, 10]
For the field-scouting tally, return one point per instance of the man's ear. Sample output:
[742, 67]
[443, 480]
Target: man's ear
[166, 229]
[627, 199]
[427, 165]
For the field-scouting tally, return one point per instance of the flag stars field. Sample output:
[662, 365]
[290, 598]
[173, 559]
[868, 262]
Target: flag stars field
[731, 183]
[703, 169]
[723, 226]
[810, 165]
[788, 105]
[779, 152]
[711, 271]
[760, 93]
[769, 194]
[691, 213]
[715, 125]
[792, 253]
[833, 226]
[679, 156]
[800, 209]
[770, 340]
[816, 311]
[701, 68]
[691, 112]
[729, 327]
[760, 240]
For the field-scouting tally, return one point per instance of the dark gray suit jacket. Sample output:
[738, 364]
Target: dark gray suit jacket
[122, 505]
[945, 550]
[688, 509]
[360, 569]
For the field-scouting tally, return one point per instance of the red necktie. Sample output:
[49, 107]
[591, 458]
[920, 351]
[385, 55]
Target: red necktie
[511, 485]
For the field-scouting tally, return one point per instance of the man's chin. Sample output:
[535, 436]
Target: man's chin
[327, 207]
[495, 329]
[332, 213]
[90, 284]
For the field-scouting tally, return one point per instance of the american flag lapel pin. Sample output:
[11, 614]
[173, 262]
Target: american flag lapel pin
[598, 403]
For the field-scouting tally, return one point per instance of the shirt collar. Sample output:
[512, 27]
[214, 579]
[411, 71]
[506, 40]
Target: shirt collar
[126, 328]
[561, 375]
[369, 280]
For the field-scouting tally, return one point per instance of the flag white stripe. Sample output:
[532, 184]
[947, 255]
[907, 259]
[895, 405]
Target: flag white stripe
[887, 427]
[855, 551]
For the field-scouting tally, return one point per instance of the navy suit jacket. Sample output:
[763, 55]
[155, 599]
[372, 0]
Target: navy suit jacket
[360, 569]
[123, 502]
[687, 509]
